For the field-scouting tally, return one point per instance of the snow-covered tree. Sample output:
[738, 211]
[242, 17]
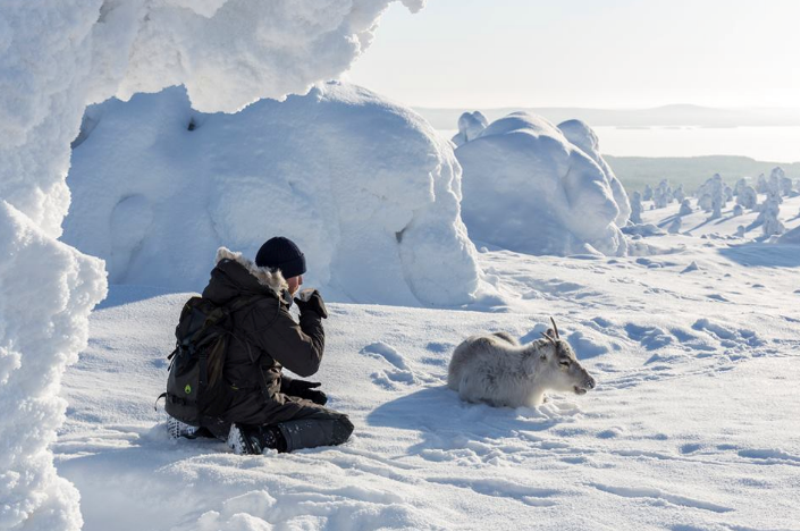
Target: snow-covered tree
[772, 225]
[740, 231]
[686, 208]
[770, 211]
[740, 184]
[761, 187]
[778, 176]
[648, 193]
[636, 208]
[679, 195]
[738, 210]
[774, 190]
[747, 198]
[728, 191]
[712, 196]
[662, 195]
[704, 201]
[675, 226]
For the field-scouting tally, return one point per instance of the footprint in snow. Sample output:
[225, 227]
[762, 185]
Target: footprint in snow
[381, 350]
[660, 495]
[391, 378]
[650, 337]
[769, 456]
[728, 337]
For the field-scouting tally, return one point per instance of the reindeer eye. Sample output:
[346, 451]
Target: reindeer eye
[564, 363]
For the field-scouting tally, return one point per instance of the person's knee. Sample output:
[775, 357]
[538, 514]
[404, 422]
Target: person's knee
[342, 429]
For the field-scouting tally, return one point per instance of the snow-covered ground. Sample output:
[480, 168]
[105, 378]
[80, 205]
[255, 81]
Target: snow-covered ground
[693, 425]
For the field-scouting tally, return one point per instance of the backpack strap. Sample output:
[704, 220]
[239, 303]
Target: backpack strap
[155, 404]
[242, 302]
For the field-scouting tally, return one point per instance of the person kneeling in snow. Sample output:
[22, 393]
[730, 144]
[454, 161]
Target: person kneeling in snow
[270, 410]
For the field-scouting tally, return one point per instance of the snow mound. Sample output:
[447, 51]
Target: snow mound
[470, 126]
[532, 187]
[47, 290]
[581, 135]
[366, 188]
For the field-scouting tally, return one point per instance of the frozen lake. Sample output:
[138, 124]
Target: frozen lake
[774, 144]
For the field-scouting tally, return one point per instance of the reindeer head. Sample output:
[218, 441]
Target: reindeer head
[564, 372]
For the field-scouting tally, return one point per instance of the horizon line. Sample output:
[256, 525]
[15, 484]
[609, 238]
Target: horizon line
[617, 109]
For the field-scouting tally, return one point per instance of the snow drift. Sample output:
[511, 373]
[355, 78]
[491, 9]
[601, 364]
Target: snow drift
[57, 57]
[532, 187]
[366, 188]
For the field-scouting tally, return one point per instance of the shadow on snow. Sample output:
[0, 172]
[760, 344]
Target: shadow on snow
[446, 422]
[763, 255]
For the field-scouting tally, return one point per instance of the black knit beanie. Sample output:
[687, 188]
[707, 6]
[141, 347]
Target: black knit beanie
[282, 253]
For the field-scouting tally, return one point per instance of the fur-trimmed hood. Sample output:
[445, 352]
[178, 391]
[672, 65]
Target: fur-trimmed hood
[270, 278]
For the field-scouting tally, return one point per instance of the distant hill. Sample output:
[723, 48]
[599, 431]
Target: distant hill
[666, 116]
[636, 172]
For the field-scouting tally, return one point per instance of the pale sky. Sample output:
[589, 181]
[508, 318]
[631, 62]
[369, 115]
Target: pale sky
[587, 53]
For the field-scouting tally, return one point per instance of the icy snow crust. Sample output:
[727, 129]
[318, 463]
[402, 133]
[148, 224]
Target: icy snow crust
[532, 187]
[366, 188]
[56, 57]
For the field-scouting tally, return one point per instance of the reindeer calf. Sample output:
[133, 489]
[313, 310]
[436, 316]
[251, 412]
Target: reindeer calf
[497, 370]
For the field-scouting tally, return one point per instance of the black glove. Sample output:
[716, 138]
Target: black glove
[311, 300]
[304, 389]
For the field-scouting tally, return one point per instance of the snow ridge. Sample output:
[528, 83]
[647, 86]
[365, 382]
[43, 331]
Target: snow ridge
[535, 188]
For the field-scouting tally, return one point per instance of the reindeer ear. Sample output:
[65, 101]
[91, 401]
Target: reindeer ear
[551, 333]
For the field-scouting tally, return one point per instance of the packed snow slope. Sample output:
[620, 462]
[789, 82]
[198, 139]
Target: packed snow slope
[692, 426]
[366, 188]
[532, 187]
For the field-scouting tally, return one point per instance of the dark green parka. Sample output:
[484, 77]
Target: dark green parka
[267, 339]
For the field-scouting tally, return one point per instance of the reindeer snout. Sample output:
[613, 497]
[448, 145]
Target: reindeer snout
[591, 383]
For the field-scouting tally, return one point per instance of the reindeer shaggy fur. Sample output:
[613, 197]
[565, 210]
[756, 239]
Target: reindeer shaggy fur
[497, 370]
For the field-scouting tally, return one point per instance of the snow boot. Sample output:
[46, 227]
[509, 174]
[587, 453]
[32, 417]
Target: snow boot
[180, 430]
[255, 440]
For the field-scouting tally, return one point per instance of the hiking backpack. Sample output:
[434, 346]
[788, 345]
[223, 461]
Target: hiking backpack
[196, 387]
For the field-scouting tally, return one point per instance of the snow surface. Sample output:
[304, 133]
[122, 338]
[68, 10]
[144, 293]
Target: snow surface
[691, 427]
[365, 187]
[55, 58]
[529, 186]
